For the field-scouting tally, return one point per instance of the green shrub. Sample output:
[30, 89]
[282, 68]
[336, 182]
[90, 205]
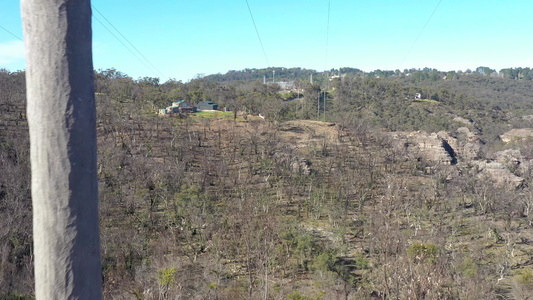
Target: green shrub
[426, 253]
[16, 296]
[167, 276]
[525, 279]
[295, 295]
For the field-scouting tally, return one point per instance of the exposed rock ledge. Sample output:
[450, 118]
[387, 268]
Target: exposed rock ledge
[444, 149]
[517, 134]
[439, 148]
[498, 173]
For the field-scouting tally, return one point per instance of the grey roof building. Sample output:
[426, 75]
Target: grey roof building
[207, 105]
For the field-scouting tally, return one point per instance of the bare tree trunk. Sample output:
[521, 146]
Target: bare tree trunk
[62, 121]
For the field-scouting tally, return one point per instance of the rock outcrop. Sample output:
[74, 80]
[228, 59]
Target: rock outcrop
[463, 120]
[430, 147]
[466, 145]
[440, 148]
[444, 149]
[498, 173]
[517, 134]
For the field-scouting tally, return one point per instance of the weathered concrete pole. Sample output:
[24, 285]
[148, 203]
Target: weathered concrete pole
[62, 121]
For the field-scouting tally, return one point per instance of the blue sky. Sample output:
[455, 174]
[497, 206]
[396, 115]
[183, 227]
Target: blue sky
[181, 39]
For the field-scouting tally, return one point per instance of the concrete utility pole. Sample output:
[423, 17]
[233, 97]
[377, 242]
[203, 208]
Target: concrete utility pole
[62, 122]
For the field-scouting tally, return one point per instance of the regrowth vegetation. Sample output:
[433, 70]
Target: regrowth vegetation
[317, 201]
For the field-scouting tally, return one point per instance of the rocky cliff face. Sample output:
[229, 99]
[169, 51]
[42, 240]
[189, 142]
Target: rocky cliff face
[498, 173]
[466, 145]
[437, 148]
[463, 148]
[422, 146]
[440, 148]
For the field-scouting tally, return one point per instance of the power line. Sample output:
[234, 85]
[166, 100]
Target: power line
[120, 41]
[421, 31]
[152, 67]
[11, 33]
[257, 31]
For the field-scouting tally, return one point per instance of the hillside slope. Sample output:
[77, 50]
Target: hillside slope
[394, 199]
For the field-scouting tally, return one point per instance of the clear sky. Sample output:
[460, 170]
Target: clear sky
[181, 39]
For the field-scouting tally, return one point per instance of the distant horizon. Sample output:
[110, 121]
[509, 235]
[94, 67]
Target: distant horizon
[179, 40]
[472, 70]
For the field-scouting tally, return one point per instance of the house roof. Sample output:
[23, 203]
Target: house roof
[207, 102]
[185, 104]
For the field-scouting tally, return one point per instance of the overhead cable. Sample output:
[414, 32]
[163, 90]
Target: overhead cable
[146, 62]
[257, 31]
[421, 31]
[11, 33]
